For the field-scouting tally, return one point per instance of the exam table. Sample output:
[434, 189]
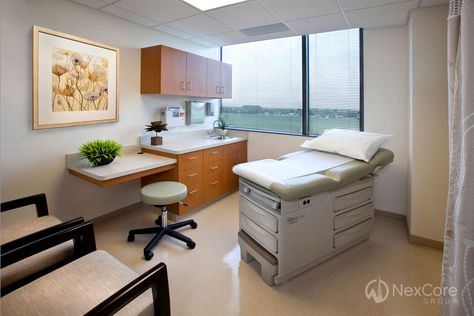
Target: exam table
[303, 208]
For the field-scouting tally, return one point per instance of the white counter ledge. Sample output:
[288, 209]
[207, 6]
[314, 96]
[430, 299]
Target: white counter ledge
[186, 145]
[131, 165]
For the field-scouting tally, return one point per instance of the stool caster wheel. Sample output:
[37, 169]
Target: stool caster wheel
[158, 221]
[148, 254]
[193, 225]
[191, 244]
[131, 238]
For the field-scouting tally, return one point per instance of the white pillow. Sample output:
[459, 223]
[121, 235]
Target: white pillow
[358, 145]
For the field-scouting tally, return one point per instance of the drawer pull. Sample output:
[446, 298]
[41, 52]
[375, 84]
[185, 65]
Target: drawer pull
[353, 213]
[192, 158]
[215, 167]
[193, 191]
[215, 182]
[192, 175]
[214, 153]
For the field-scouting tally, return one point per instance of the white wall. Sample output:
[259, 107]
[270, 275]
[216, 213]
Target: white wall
[429, 122]
[34, 161]
[385, 110]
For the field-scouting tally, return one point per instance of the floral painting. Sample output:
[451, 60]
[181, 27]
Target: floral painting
[79, 81]
[74, 80]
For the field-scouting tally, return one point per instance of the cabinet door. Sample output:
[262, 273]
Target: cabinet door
[195, 75]
[213, 78]
[173, 71]
[226, 81]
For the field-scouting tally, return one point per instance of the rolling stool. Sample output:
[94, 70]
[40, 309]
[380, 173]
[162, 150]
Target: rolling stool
[161, 194]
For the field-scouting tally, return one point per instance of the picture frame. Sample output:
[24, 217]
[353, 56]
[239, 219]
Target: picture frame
[75, 80]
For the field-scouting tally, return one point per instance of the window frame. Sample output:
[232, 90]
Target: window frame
[305, 105]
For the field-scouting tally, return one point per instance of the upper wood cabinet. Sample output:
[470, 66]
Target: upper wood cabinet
[166, 70]
[219, 79]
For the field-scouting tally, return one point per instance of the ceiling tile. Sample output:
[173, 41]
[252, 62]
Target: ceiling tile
[158, 10]
[387, 15]
[172, 31]
[129, 15]
[96, 4]
[199, 25]
[298, 9]
[236, 37]
[204, 42]
[243, 15]
[319, 24]
[428, 3]
[360, 4]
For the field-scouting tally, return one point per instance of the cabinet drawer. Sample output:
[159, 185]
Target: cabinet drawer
[264, 238]
[213, 154]
[193, 199]
[352, 199]
[191, 176]
[236, 157]
[356, 233]
[214, 168]
[232, 148]
[190, 160]
[213, 187]
[258, 215]
[353, 217]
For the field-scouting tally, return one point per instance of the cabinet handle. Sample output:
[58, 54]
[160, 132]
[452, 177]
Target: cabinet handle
[214, 153]
[182, 85]
[222, 90]
[218, 89]
[214, 168]
[215, 182]
[192, 175]
[192, 158]
[189, 86]
[193, 191]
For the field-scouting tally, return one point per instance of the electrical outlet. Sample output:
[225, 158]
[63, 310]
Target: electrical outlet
[304, 202]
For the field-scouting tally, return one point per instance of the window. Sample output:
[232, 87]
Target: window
[270, 92]
[334, 80]
[266, 85]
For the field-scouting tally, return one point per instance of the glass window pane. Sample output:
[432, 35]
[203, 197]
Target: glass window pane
[266, 85]
[334, 77]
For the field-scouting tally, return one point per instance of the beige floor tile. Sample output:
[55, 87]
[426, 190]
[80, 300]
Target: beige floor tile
[211, 279]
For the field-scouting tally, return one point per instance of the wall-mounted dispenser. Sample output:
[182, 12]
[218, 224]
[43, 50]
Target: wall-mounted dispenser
[174, 116]
[209, 109]
[195, 112]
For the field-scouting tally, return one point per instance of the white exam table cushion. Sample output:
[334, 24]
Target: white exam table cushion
[269, 171]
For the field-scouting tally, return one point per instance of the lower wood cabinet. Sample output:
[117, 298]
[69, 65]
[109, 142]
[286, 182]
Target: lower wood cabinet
[207, 174]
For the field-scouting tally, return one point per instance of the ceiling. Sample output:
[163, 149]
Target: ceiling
[263, 19]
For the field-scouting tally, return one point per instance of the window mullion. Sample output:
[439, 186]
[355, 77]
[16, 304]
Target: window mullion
[305, 81]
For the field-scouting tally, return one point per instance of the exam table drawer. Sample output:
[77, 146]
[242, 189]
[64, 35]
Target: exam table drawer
[356, 233]
[258, 215]
[264, 238]
[352, 199]
[353, 216]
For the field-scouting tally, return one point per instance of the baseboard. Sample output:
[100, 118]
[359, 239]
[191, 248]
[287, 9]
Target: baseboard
[426, 242]
[391, 215]
[108, 216]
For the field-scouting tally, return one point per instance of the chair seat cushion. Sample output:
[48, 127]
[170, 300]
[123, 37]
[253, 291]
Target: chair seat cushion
[163, 193]
[35, 263]
[76, 288]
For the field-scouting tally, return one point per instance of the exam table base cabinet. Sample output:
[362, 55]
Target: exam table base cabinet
[302, 233]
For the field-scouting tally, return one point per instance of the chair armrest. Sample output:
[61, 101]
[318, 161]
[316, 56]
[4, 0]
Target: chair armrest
[156, 278]
[82, 234]
[39, 200]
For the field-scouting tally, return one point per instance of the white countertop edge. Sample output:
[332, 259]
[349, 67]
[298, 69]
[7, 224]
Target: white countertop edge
[188, 150]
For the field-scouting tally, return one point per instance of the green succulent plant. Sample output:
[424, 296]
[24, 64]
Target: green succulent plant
[100, 152]
[223, 122]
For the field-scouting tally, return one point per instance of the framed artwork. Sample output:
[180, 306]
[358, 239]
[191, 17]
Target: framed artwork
[75, 81]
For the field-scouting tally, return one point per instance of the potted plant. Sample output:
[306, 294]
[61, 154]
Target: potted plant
[157, 127]
[100, 152]
[223, 124]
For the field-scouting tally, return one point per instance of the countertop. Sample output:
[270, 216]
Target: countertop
[129, 163]
[186, 145]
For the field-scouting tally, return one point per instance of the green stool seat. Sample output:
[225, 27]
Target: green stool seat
[163, 193]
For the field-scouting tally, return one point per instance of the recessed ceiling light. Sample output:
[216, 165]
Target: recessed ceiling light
[205, 5]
